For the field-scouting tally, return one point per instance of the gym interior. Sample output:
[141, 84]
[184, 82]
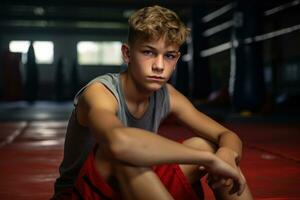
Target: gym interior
[240, 65]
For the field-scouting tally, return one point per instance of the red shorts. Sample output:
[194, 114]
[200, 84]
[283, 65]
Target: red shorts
[90, 185]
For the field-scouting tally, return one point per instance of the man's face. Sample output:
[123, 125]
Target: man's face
[151, 63]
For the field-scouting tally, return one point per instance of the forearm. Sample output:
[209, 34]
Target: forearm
[142, 148]
[232, 141]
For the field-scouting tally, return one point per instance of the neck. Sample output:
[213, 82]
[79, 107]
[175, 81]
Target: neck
[132, 92]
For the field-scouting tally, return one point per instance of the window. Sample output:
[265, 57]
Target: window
[19, 46]
[99, 53]
[44, 50]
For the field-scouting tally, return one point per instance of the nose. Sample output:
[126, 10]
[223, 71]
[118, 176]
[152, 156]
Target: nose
[158, 65]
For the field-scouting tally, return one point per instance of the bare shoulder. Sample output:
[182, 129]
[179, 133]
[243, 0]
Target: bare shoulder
[170, 88]
[173, 93]
[185, 112]
[95, 96]
[178, 101]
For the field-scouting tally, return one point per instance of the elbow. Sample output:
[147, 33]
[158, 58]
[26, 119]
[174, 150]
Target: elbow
[238, 139]
[119, 144]
[232, 137]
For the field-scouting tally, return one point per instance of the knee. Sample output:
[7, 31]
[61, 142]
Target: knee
[200, 144]
[107, 166]
[192, 172]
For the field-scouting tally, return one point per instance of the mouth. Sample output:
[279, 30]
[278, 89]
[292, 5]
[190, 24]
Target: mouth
[156, 78]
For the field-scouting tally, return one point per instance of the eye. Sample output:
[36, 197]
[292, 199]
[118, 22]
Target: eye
[148, 53]
[170, 56]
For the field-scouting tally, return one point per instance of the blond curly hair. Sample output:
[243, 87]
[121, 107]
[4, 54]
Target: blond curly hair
[156, 22]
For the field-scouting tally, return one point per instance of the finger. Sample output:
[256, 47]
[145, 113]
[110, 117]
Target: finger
[242, 187]
[239, 186]
[243, 183]
[234, 189]
[218, 183]
[228, 182]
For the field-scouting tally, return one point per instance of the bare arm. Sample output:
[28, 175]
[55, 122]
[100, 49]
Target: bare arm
[204, 126]
[97, 109]
[229, 144]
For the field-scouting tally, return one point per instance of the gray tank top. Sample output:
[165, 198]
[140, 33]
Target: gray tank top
[79, 141]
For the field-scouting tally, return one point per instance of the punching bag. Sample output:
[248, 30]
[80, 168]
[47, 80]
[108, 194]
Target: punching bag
[32, 81]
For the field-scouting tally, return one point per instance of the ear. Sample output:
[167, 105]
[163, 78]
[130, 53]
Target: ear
[126, 53]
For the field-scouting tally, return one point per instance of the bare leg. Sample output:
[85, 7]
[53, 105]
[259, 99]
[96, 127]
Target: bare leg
[142, 183]
[126, 192]
[135, 183]
[193, 173]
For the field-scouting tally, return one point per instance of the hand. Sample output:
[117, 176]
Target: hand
[232, 158]
[229, 156]
[223, 174]
[216, 182]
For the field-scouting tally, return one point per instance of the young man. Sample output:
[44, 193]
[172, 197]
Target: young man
[121, 113]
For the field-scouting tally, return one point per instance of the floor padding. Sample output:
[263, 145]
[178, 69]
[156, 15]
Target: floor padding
[30, 153]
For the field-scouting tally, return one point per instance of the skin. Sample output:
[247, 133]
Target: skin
[128, 153]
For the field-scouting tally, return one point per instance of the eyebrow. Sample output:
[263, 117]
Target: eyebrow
[152, 48]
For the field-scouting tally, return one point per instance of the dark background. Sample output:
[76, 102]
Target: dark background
[242, 57]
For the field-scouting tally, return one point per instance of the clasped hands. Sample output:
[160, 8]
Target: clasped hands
[222, 175]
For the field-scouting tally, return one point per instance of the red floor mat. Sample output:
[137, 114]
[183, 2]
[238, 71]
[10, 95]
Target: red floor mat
[280, 139]
[31, 152]
[271, 160]
[29, 164]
